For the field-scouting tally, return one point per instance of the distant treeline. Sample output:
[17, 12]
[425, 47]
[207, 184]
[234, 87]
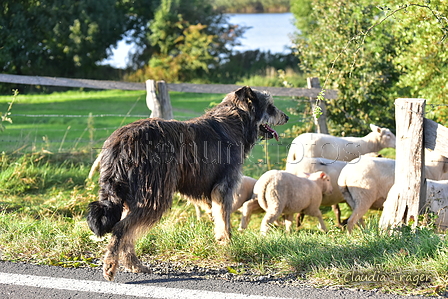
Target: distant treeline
[252, 6]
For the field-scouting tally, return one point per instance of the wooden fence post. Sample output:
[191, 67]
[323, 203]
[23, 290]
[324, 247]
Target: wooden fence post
[321, 122]
[158, 99]
[408, 194]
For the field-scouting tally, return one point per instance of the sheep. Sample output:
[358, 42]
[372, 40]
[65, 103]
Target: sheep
[332, 168]
[340, 148]
[436, 165]
[280, 192]
[437, 201]
[249, 207]
[365, 184]
[244, 193]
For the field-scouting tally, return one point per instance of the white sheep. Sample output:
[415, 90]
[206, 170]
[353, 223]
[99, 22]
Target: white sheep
[365, 184]
[340, 148]
[244, 193]
[330, 167]
[437, 202]
[249, 207]
[280, 192]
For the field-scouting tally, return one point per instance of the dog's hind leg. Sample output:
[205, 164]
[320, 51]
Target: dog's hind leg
[128, 257]
[110, 261]
[121, 245]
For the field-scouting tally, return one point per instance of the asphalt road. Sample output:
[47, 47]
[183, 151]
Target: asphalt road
[20, 280]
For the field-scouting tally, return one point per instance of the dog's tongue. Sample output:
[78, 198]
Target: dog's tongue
[272, 131]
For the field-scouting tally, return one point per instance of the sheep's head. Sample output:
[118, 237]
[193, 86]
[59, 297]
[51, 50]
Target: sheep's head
[385, 136]
[327, 188]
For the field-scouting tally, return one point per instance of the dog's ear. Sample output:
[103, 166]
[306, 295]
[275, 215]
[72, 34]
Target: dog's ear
[245, 94]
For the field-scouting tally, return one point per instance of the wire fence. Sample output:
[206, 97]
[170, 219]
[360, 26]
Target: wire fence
[70, 133]
[58, 133]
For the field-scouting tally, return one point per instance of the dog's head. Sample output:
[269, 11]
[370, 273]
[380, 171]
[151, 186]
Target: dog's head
[262, 110]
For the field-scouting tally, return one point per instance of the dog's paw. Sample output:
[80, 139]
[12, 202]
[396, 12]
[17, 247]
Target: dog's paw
[132, 264]
[138, 269]
[109, 270]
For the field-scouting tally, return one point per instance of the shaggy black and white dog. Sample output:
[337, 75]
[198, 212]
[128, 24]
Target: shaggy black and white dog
[145, 162]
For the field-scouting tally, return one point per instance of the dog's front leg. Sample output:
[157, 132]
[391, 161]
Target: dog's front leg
[221, 208]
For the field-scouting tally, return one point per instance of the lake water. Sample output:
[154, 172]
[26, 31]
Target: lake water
[268, 32]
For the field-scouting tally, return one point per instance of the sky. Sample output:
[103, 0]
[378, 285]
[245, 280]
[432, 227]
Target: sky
[269, 32]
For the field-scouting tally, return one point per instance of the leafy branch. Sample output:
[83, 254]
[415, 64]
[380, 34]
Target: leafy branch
[317, 111]
[360, 39]
[4, 117]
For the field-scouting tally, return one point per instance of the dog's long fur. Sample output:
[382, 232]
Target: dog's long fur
[144, 163]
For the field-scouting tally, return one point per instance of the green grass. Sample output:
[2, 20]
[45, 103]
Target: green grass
[60, 122]
[44, 197]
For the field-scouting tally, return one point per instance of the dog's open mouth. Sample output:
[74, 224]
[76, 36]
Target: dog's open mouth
[268, 132]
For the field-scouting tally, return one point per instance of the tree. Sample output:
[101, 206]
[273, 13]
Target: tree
[331, 46]
[63, 38]
[185, 39]
[421, 55]
[374, 52]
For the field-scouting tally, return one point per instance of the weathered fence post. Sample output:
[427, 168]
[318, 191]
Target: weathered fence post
[158, 99]
[321, 122]
[407, 195]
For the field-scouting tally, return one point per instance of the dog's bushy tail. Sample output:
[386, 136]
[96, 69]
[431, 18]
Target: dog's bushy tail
[103, 215]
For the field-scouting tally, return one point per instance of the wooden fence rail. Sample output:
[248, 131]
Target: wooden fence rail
[157, 97]
[183, 87]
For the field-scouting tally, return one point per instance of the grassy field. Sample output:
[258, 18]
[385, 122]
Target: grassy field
[73, 122]
[44, 194]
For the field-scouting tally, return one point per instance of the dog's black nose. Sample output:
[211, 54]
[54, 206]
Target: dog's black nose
[286, 117]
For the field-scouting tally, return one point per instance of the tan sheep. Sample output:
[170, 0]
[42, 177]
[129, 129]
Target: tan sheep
[244, 193]
[437, 202]
[332, 168]
[280, 192]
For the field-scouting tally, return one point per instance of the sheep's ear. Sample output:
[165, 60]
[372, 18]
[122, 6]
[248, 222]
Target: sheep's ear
[375, 128]
[307, 174]
[322, 175]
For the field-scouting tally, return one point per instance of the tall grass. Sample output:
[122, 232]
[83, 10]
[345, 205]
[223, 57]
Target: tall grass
[45, 224]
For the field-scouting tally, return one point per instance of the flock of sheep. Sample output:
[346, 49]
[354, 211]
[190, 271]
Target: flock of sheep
[324, 170]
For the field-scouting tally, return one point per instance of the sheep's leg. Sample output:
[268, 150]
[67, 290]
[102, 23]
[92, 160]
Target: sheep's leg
[288, 222]
[299, 219]
[246, 210]
[318, 214]
[337, 214]
[268, 219]
[198, 212]
[356, 216]
[322, 223]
